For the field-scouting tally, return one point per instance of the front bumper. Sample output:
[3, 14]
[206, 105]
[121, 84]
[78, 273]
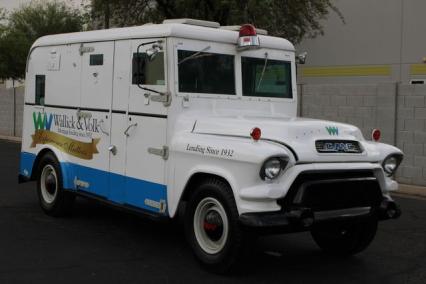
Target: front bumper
[326, 196]
[303, 219]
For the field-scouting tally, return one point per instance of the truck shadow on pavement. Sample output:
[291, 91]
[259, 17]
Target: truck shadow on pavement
[105, 245]
[292, 257]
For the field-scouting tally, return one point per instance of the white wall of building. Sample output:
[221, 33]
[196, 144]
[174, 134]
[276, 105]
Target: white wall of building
[385, 33]
[360, 73]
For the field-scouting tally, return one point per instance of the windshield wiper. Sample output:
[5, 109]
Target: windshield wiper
[195, 55]
[263, 71]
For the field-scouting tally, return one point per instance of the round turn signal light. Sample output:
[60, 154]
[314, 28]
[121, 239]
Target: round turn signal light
[256, 133]
[375, 135]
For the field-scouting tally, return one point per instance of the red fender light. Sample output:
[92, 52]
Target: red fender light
[256, 133]
[375, 135]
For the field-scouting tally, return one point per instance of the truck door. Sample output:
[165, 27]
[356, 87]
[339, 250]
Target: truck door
[94, 116]
[146, 134]
[139, 135]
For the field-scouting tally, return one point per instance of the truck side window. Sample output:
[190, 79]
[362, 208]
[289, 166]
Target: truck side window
[40, 87]
[154, 70]
[204, 72]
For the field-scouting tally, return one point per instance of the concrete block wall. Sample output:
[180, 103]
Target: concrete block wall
[19, 108]
[411, 133]
[399, 111]
[6, 112]
[366, 106]
[9, 109]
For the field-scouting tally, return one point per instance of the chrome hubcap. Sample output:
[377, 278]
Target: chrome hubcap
[49, 184]
[211, 226]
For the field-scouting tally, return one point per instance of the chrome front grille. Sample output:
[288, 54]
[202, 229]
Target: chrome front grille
[338, 146]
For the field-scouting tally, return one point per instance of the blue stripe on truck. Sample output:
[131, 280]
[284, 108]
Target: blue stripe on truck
[115, 187]
[26, 164]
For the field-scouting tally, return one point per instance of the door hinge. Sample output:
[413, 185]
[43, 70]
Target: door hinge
[163, 152]
[85, 49]
[80, 183]
[164, 98]
[160, 205]
[83, 114]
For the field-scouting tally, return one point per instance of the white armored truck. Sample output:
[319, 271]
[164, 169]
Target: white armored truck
[188, 118]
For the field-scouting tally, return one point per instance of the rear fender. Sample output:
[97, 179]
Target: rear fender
[67, 170]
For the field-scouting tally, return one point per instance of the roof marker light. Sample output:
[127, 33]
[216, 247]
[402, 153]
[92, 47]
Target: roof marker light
[375, 135]
[256, 133]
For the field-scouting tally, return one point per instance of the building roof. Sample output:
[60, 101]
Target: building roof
[159, 30]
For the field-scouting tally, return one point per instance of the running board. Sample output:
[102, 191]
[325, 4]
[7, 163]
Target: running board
[122, 207]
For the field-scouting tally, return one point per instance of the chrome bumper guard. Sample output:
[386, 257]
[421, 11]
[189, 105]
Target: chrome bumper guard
[302, 219]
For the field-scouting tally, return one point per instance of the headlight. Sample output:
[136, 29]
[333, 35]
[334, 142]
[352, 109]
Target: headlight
[391, 163]
[273, 167]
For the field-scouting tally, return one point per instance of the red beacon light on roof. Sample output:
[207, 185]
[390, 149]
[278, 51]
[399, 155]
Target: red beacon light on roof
[248, 37]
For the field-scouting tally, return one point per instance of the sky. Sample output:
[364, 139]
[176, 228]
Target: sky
[12, 4]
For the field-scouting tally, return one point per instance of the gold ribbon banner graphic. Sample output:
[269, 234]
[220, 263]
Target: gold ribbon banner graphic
[82, 150]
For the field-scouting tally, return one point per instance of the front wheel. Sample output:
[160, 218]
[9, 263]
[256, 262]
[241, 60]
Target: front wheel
[211, 226]
[53, 199]
[345, 239]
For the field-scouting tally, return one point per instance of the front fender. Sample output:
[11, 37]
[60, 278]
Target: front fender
[383, 150]
[232, 148]
[237, 160]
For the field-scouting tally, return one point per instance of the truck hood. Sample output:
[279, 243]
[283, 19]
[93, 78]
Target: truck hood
[297, 134]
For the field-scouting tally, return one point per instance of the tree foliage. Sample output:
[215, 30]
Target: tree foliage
[118, 13]
[26, 24]
[2, 17]
[291, 19]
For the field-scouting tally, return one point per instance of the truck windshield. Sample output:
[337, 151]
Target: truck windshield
[263, 77]
[205, 72]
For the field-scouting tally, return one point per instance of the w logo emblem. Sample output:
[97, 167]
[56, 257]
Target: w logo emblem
[42, 121]
[332, 130]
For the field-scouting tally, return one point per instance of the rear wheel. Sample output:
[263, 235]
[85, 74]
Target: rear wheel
[53, 199]
[345, 239]
[211, 226]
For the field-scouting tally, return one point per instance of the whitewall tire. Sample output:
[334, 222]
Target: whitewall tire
[53, 199]
[211, 225]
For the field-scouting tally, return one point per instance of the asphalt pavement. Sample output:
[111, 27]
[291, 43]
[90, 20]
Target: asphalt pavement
[98, 244]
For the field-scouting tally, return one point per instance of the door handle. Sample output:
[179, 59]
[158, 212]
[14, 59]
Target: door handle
[165, 98]
[126, 132]
[101, 127]
[112, 149]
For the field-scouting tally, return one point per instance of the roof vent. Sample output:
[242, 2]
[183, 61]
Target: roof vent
[193, 22]
[237, 29]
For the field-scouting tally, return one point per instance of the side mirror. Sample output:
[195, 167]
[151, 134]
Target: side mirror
[139, 63]
[301, 58]
[153, 51]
